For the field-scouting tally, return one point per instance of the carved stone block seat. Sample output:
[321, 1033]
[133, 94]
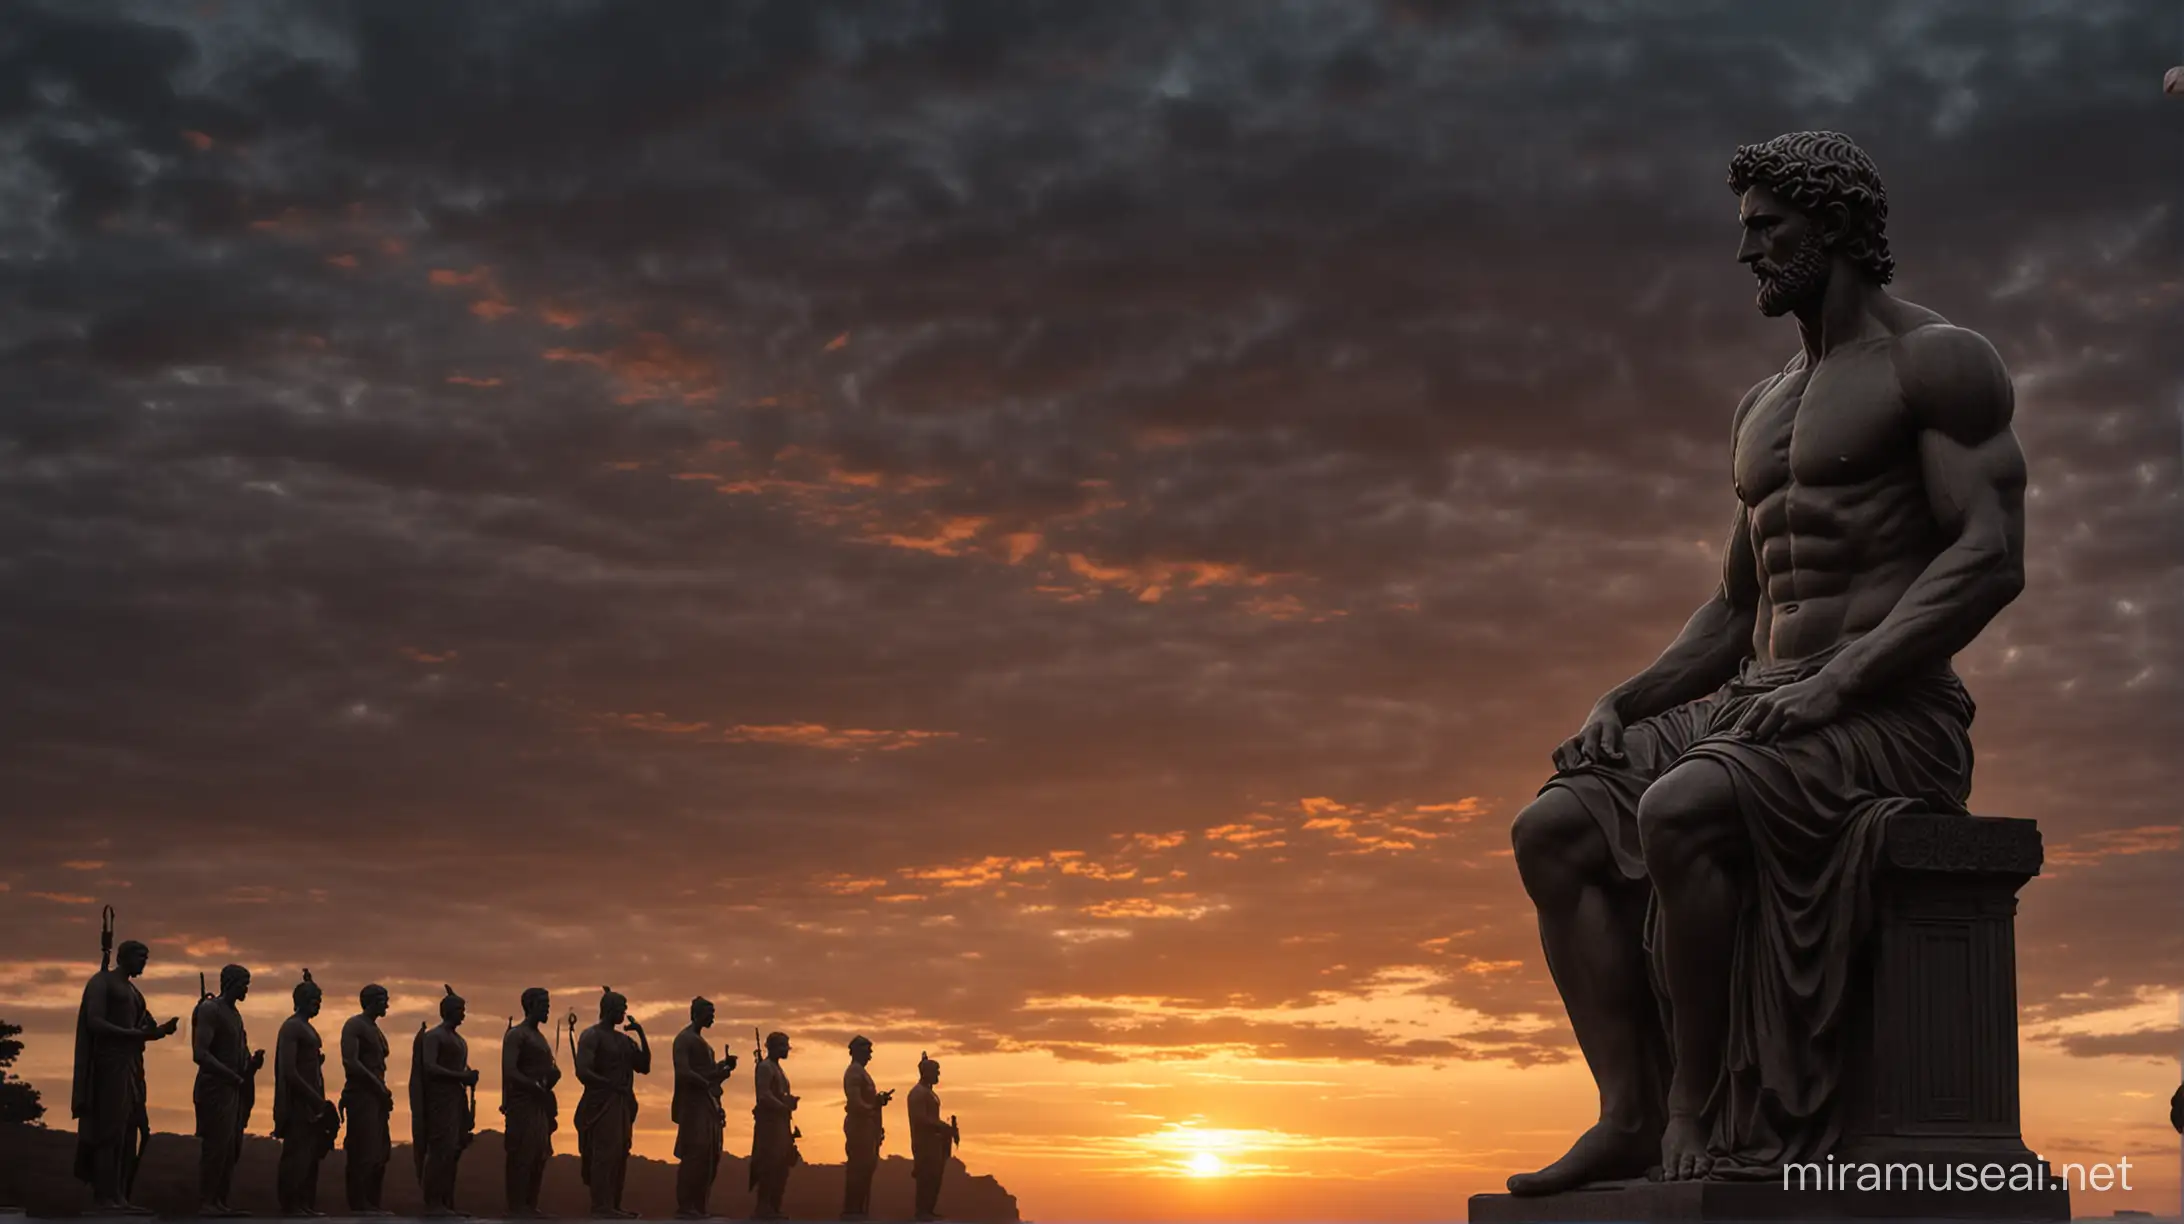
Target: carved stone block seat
[1932, 1072]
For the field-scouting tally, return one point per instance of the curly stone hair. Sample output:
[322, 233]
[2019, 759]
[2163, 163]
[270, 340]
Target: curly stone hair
[1815, 169]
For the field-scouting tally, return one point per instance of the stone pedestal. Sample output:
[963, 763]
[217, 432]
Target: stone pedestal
[1932, 1072]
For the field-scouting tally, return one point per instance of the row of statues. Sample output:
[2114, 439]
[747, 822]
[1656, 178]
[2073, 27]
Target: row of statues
[108, 1101]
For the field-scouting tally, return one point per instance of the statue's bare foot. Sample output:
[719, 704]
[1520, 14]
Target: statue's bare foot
[1683, 1149]
[1604, 1153]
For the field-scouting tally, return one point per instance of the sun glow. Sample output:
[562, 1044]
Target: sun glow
[1206, 1164]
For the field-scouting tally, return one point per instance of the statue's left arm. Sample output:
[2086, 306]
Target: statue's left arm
[1960, 402]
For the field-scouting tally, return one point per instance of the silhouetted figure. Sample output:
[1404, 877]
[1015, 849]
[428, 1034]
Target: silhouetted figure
[303, 1119]
[863, 1130]
[932, 1141]
[227, 1071]
[366, 1103]
[441, 1081]
[2176, 1111]
[528, 1076]
[1878, 527]
[773, 1130]
[700, 1122]
[107, 1096]
[608, 1064]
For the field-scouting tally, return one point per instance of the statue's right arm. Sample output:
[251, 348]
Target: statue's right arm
[287, 1063]
[101, 999]
[1718, 637]
[432, 1067]
[768, 1084]
[201, 1046]
[686, 1073]
[587, 1049]
[512, 1075]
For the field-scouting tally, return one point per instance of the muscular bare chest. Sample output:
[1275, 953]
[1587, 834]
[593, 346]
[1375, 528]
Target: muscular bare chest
[1841, 424]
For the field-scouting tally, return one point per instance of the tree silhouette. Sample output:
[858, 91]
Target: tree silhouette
[19, 1101]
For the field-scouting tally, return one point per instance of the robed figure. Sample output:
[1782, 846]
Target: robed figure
[528, 1076]
[932, 1141]
[366, 1103]
[608, 1063]
[226, 1089]
[441, 1083]
[863, 1130]
[107, 1096]
[700, 1122]
[304, 1121]
[773, 1130]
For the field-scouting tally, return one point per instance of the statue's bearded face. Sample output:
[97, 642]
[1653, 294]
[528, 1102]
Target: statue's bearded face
[1787, 253]
[375, 1003]
[308, 1005]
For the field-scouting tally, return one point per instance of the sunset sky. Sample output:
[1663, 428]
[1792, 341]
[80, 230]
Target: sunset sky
[1056, 534]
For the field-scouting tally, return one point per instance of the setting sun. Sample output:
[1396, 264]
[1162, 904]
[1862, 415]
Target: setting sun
[1206, 1164]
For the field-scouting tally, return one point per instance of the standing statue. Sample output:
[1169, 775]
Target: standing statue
[607, 1063]
[227, 1070]
[107, 1097]
[442, 1088]
[366, 1103]
[773, 1129]
[303, 1119]
[863, 1130]
[1711, 829]
[932, 1141]
[528, 1076]
[700, 1122]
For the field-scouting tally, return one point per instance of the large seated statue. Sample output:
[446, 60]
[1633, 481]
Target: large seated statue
[1703, 857]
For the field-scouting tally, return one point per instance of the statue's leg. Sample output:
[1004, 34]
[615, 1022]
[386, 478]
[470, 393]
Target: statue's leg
[294, 1170]
[1591, 925]
[513, 1173]
[106, 1162]
[1694, 847]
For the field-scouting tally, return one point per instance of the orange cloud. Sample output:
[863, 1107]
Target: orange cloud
[465, 380]
[2116, 843]
[342, 261]
[849, 886]
[1152, 580]
[815, 735]
[448, 276]
[198, 140]
[799, 735]
[953, 533]
[421, 656]
[650, 367]
[1146, 907]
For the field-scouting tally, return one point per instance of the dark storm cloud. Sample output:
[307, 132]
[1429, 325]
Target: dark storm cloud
[560, 479]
